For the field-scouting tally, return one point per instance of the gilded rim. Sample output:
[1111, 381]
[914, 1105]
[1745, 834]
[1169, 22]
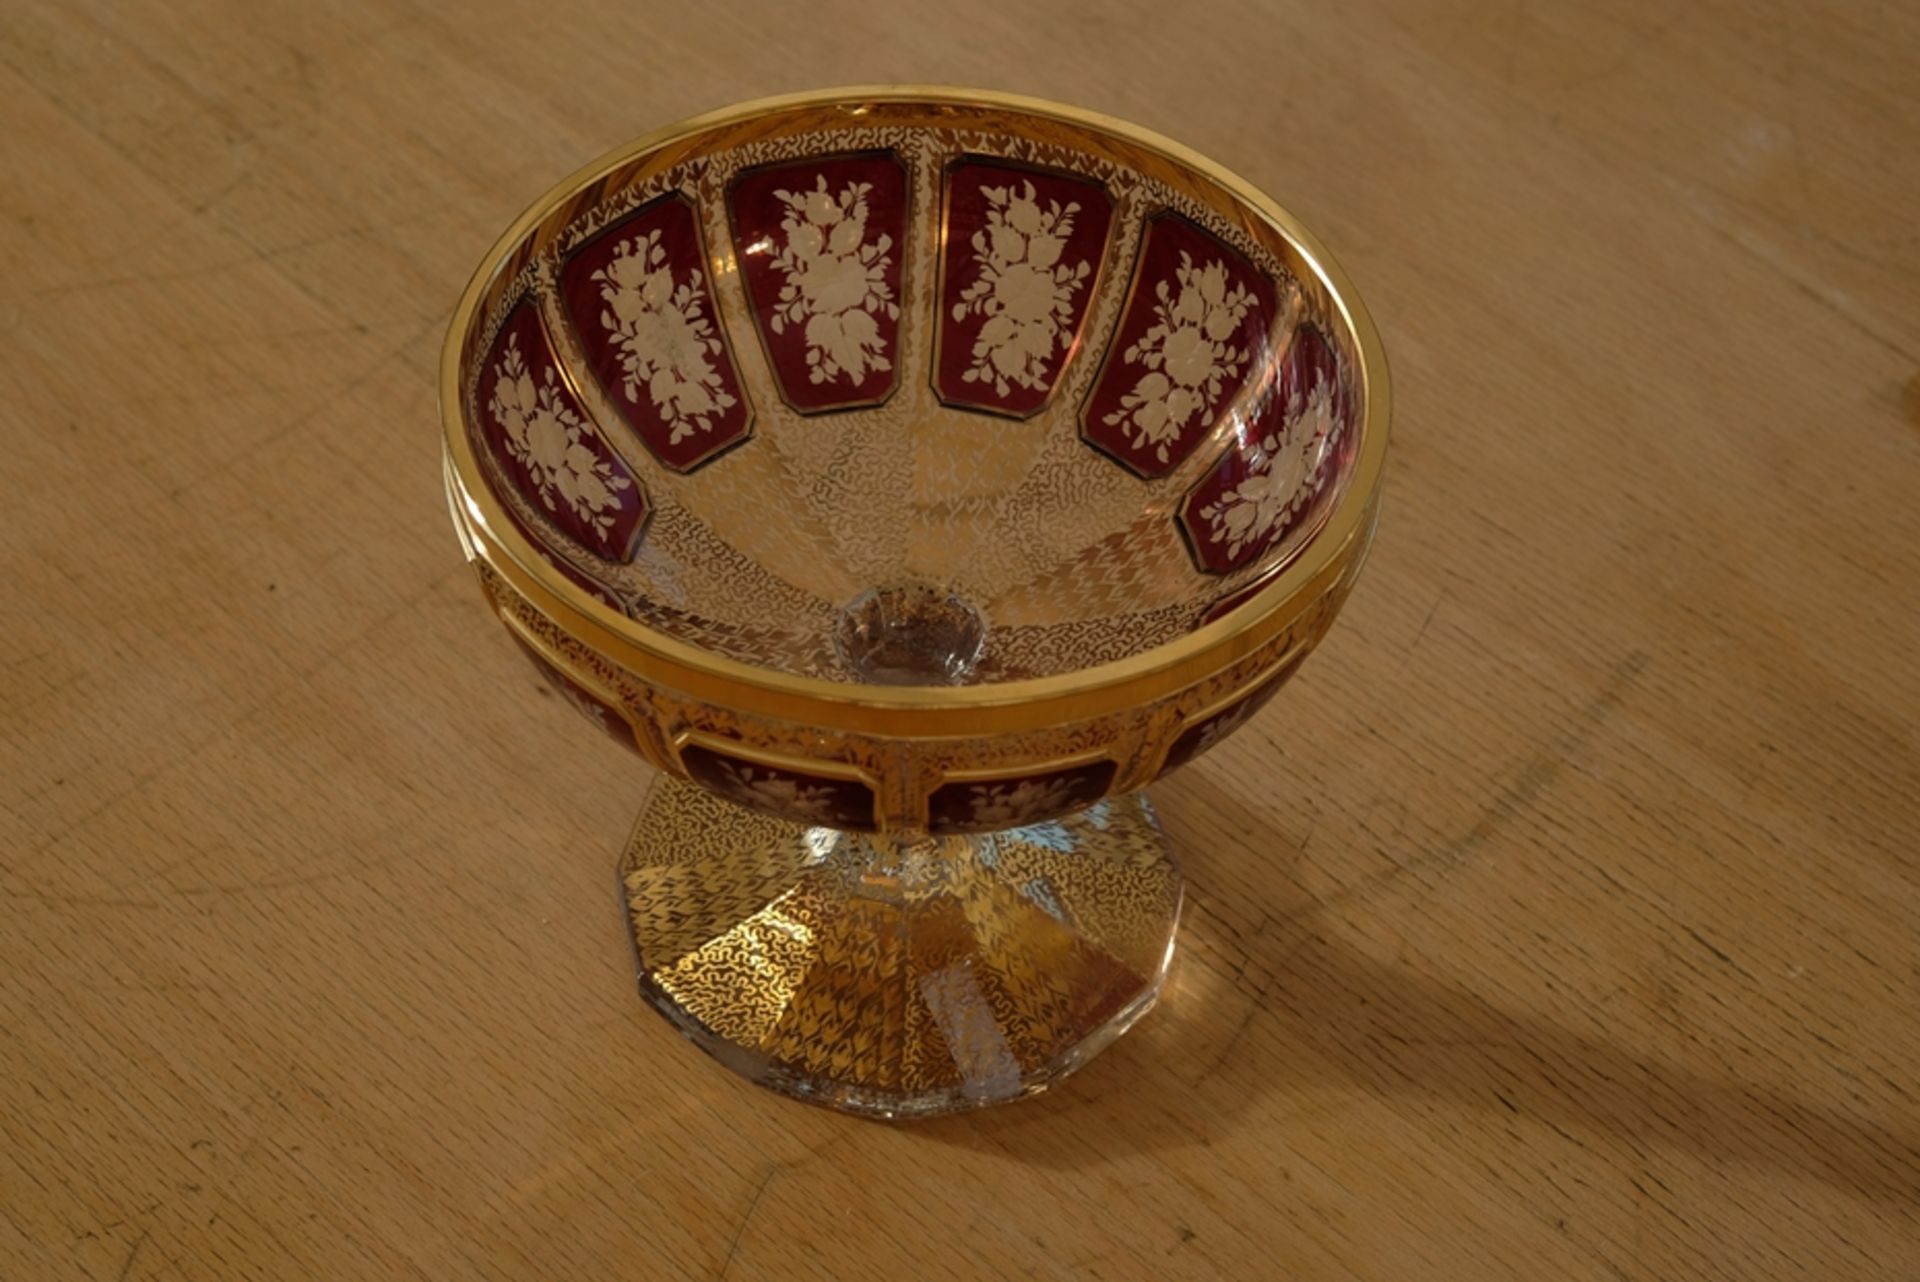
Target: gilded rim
[921, 711]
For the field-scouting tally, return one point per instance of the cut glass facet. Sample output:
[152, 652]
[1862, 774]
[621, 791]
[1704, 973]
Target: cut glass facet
[899, 978]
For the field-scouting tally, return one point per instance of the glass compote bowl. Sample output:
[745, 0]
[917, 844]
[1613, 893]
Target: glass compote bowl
[910, 477]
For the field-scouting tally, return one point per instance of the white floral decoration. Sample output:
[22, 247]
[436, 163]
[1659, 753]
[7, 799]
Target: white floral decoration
[1015, 803]
[1222, 726]
[1024, 290]
[666, 340]
[548, 439]
[1251, 511]
[1188, 355]
[836, 281]
[783, 794]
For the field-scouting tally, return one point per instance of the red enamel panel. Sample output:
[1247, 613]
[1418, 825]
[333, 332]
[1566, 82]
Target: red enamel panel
[595, 709]
[1203, 735]
[1234, 600]
[1021, 257]
[1277, 476]
[545, 445]
[798, 795]
[1195, 332]
[640, 300]
[982, 805]
[540, 544]
[821, 245]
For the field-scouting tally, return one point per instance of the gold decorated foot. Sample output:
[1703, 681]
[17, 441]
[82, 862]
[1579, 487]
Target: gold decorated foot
[899, 979]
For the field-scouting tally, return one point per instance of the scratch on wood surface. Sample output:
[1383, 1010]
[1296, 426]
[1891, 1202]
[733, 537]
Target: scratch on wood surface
[1534, 776]
[1544, 766]
[753, 1204]
[1439, 600]
[304, 420]
[1768, 256]
[188, 754]
[126, 1269]
[773, 1172]
[1233, 1040]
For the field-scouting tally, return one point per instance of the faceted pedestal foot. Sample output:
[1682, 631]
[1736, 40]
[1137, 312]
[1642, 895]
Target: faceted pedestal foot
[899, 980]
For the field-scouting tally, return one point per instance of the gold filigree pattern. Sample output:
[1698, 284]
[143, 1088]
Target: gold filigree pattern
[893, 980]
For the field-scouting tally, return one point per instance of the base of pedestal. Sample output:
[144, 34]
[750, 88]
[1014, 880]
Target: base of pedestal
[899, 981]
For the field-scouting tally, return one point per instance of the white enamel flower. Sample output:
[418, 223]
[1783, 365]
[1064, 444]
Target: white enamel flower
[667, 343]
[1023, 289]
[549, 440]
[765, 790]
[1188, 355]
[1016, 803]
[836, 281]
[1249, 513]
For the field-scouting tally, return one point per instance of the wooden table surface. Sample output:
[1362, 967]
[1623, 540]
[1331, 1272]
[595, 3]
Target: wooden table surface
[1559, 922]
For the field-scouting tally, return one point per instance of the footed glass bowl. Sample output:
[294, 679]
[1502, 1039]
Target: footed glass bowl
[910, 477]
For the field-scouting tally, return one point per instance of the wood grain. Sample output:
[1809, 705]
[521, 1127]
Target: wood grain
[1558, 922]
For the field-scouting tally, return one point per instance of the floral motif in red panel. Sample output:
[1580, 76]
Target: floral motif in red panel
[1022, 255]
[545, 445]
[541, 544]
[640, 302]
[791, 794]
[986, 804]
[1195, 332]
[1280, 471]
[821, 245]
[1200, 737]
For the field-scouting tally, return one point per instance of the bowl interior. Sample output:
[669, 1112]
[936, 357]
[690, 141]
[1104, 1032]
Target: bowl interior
[911, 392]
